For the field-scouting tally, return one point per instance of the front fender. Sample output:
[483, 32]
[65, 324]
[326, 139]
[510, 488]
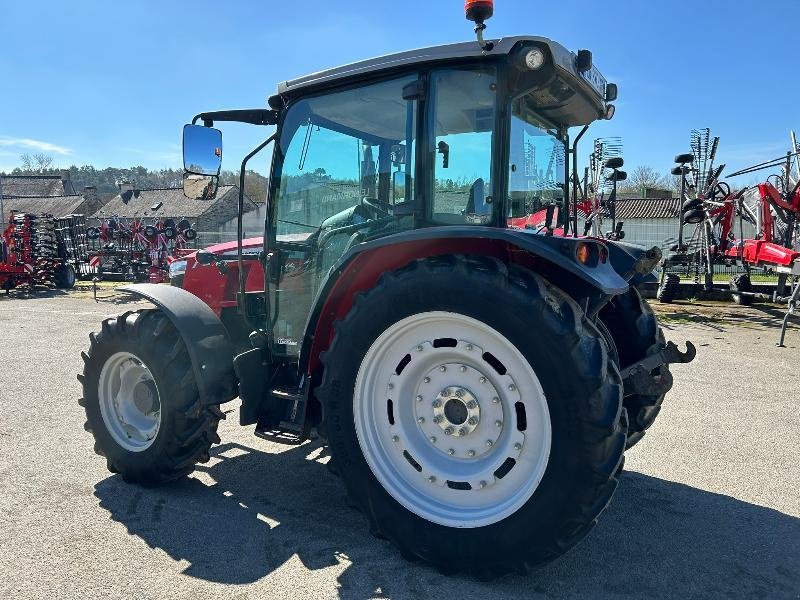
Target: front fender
[204, 335]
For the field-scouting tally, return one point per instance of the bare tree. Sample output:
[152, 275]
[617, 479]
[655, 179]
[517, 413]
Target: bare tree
[644, 177]
[27, 162]
[43, 161]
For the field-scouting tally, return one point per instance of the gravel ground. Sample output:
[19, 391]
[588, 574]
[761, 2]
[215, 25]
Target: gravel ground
[708, 506]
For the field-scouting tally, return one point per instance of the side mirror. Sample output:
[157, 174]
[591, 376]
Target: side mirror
[200, 187]
[202, 161]
[205, 258]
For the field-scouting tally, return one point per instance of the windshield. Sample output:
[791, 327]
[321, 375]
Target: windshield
[537, 177]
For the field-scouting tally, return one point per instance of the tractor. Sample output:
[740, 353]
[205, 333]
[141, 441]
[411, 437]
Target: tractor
[476, 383]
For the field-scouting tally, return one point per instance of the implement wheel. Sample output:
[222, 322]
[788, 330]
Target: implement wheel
[476, 419]
[141, 400]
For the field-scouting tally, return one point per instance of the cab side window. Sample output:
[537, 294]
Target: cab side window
[462, 125]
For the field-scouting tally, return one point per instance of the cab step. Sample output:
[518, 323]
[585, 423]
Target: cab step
[291, 430]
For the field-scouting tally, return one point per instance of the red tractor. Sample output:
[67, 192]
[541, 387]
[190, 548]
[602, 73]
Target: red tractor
[477, 385]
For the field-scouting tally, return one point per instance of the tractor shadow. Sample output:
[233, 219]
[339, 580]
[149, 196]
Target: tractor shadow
[249, 512]
[722, 317]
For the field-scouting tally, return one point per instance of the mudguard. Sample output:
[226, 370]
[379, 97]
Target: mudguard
[361, 266]
[623, 257]
[206, 339]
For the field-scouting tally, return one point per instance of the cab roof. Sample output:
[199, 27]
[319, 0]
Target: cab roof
[563, 59]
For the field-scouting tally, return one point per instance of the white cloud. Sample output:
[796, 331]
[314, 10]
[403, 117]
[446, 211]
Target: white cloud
[29, 144]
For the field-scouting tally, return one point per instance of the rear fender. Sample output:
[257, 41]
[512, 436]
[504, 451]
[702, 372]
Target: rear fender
[361, 267]
[206, 339]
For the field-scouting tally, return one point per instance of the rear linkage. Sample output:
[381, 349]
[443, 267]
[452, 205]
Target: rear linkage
[639, 379]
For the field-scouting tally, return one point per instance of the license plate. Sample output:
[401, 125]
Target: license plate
[596, 80]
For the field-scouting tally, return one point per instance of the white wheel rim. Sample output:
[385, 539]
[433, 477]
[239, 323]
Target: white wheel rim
[461, 477]
[130, 403]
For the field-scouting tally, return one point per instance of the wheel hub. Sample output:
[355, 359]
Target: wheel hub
[456, 411]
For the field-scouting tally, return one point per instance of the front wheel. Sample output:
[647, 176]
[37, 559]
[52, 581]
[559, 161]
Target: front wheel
[476, 418]
[64, 277]
[141, 400]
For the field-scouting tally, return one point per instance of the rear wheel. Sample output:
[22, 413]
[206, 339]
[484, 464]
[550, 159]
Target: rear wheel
[469, 442]
[636, 334]
[141, 400]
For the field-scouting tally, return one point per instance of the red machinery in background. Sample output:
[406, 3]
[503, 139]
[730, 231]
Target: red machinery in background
[134, 250]
[33, 253]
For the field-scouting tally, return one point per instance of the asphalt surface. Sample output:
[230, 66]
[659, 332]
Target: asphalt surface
[708, 507]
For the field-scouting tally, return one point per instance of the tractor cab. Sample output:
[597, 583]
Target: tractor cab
[440, 139]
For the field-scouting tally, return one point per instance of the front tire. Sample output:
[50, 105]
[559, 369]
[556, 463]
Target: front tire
[141, 400]
[536, 434]
[64, 277]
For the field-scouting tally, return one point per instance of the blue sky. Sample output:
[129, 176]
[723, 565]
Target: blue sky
[111, 83]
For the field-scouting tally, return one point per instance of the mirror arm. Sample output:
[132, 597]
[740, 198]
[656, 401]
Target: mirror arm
[253, 116]
[240, 232]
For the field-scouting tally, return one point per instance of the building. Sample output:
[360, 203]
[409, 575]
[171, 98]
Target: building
[85, 203]
[215, 220]
[37, 186]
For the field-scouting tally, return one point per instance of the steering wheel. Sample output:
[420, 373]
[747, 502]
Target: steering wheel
[372, 203]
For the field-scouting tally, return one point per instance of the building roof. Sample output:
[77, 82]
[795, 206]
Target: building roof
[648, 208]
[173, 203]
[58, 206]
[36, 186]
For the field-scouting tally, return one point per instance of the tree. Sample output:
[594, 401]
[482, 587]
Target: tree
[38, 163]
[644, 177]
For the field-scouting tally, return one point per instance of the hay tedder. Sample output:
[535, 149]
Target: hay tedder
[716, 215]
[477, 380]
[34, 251]
[136, 250]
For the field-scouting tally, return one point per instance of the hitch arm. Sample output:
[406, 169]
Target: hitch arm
[638, 378]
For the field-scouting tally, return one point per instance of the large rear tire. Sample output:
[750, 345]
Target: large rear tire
[636, 334]
[475, 418]
[141, 400]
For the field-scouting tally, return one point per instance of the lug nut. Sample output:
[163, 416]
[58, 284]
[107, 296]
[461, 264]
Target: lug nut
[482, 484]
[420, 398]
[391, 386]
[433, 439]
[517, 446]
[471, 453]
[419, 348]
[489, 443]
[421, 420]
[460, 393]
[511, 387]
[437, 419]
[498, 423]
[443, 368]
[495, 400]
[432, 479]
[482, 379]
[472, 404]
[462, 431]
[451, 451]
[448, 430]
[462, 368]
[436, 403]
[426, 380]
[395, 438]
[469, 347]
[472, 421]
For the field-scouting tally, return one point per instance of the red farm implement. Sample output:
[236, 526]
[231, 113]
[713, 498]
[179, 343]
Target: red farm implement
[772, 211]
[32, 252]
[138, 251]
